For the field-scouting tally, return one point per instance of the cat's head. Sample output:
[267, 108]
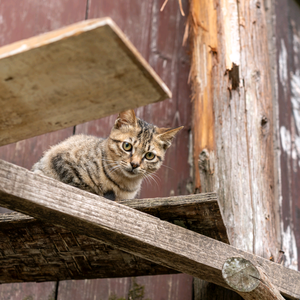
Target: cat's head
[136, 147]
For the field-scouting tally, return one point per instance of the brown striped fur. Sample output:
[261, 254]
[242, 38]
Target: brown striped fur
[103, 166]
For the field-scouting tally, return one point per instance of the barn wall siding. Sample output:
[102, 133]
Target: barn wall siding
[158, 36]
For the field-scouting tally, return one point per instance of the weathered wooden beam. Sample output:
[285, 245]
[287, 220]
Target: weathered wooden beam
[249, 281]
[129, 230]
[69, 76]
[54, 253]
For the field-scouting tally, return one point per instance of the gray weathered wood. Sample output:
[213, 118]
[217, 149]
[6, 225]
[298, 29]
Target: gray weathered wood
[249, 281]
[233, 121]
[129, 230]
[55, 253]
[69, 76]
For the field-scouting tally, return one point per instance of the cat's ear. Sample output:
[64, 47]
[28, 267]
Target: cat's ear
[126, 117]
[166, 135]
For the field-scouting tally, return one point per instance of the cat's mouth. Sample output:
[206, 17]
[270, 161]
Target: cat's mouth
[133, 172]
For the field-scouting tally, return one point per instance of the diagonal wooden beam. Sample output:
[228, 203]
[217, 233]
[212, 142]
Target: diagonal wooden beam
[33, 250]
[72, 75]
[128, 229]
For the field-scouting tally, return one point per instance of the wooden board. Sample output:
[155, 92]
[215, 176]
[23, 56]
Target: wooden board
[37, 17]
[287, 68]
[54, 253]
[129, 230]
[69, 76]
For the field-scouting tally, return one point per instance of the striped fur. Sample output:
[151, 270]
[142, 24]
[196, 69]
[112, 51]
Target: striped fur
[103, 166]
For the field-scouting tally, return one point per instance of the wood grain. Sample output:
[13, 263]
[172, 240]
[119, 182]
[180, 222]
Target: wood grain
[69, 76]
[129, 230]
[287, 63]
[44, 247]
[239, 162]
[24, 20]
[249, 281]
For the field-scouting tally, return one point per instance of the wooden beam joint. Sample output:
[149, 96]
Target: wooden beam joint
[249, 281]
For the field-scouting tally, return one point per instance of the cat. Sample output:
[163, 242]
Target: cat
[113, 167]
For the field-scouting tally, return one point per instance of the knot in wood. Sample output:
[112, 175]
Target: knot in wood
[240, 274]
[265, 126]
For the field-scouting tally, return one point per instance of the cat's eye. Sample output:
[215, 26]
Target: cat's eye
[149, 155]
[127, 146]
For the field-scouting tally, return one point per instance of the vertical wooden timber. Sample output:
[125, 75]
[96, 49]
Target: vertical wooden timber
[203, 25]
[231, 73]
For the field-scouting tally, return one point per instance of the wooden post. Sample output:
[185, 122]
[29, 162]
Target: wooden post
[233, 147]
[249, 281]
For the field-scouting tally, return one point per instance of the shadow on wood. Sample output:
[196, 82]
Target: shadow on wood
[129, 230]
[50, 252]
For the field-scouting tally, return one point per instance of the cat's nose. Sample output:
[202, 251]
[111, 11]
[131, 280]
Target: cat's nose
[134, 165]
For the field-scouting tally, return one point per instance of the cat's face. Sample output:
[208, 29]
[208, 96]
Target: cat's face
[136, 148]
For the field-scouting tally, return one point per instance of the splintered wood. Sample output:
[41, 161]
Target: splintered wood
[69, 76]
[129, 230]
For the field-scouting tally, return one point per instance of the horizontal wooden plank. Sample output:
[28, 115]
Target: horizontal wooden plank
[69, 76]
[33, 250]
[129, 230]
[41, 244]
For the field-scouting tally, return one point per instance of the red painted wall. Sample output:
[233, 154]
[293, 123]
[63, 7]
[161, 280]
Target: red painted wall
[158, 36]
[288, 73]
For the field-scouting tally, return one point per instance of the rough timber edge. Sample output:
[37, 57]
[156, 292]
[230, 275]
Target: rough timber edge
[78, 28]
[128, 229]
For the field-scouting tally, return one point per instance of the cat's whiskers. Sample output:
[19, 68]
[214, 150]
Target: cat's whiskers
[167, 167]
[147, 180]
[150, 177]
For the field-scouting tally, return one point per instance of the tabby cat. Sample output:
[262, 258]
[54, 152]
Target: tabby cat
[114, 167]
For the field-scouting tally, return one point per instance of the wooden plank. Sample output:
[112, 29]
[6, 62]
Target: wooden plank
[53, 253]
[129, 230]
[22, 20]
[69, 76]
[28, 291]
[47, 247]
[287, 32]
[174, 287]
